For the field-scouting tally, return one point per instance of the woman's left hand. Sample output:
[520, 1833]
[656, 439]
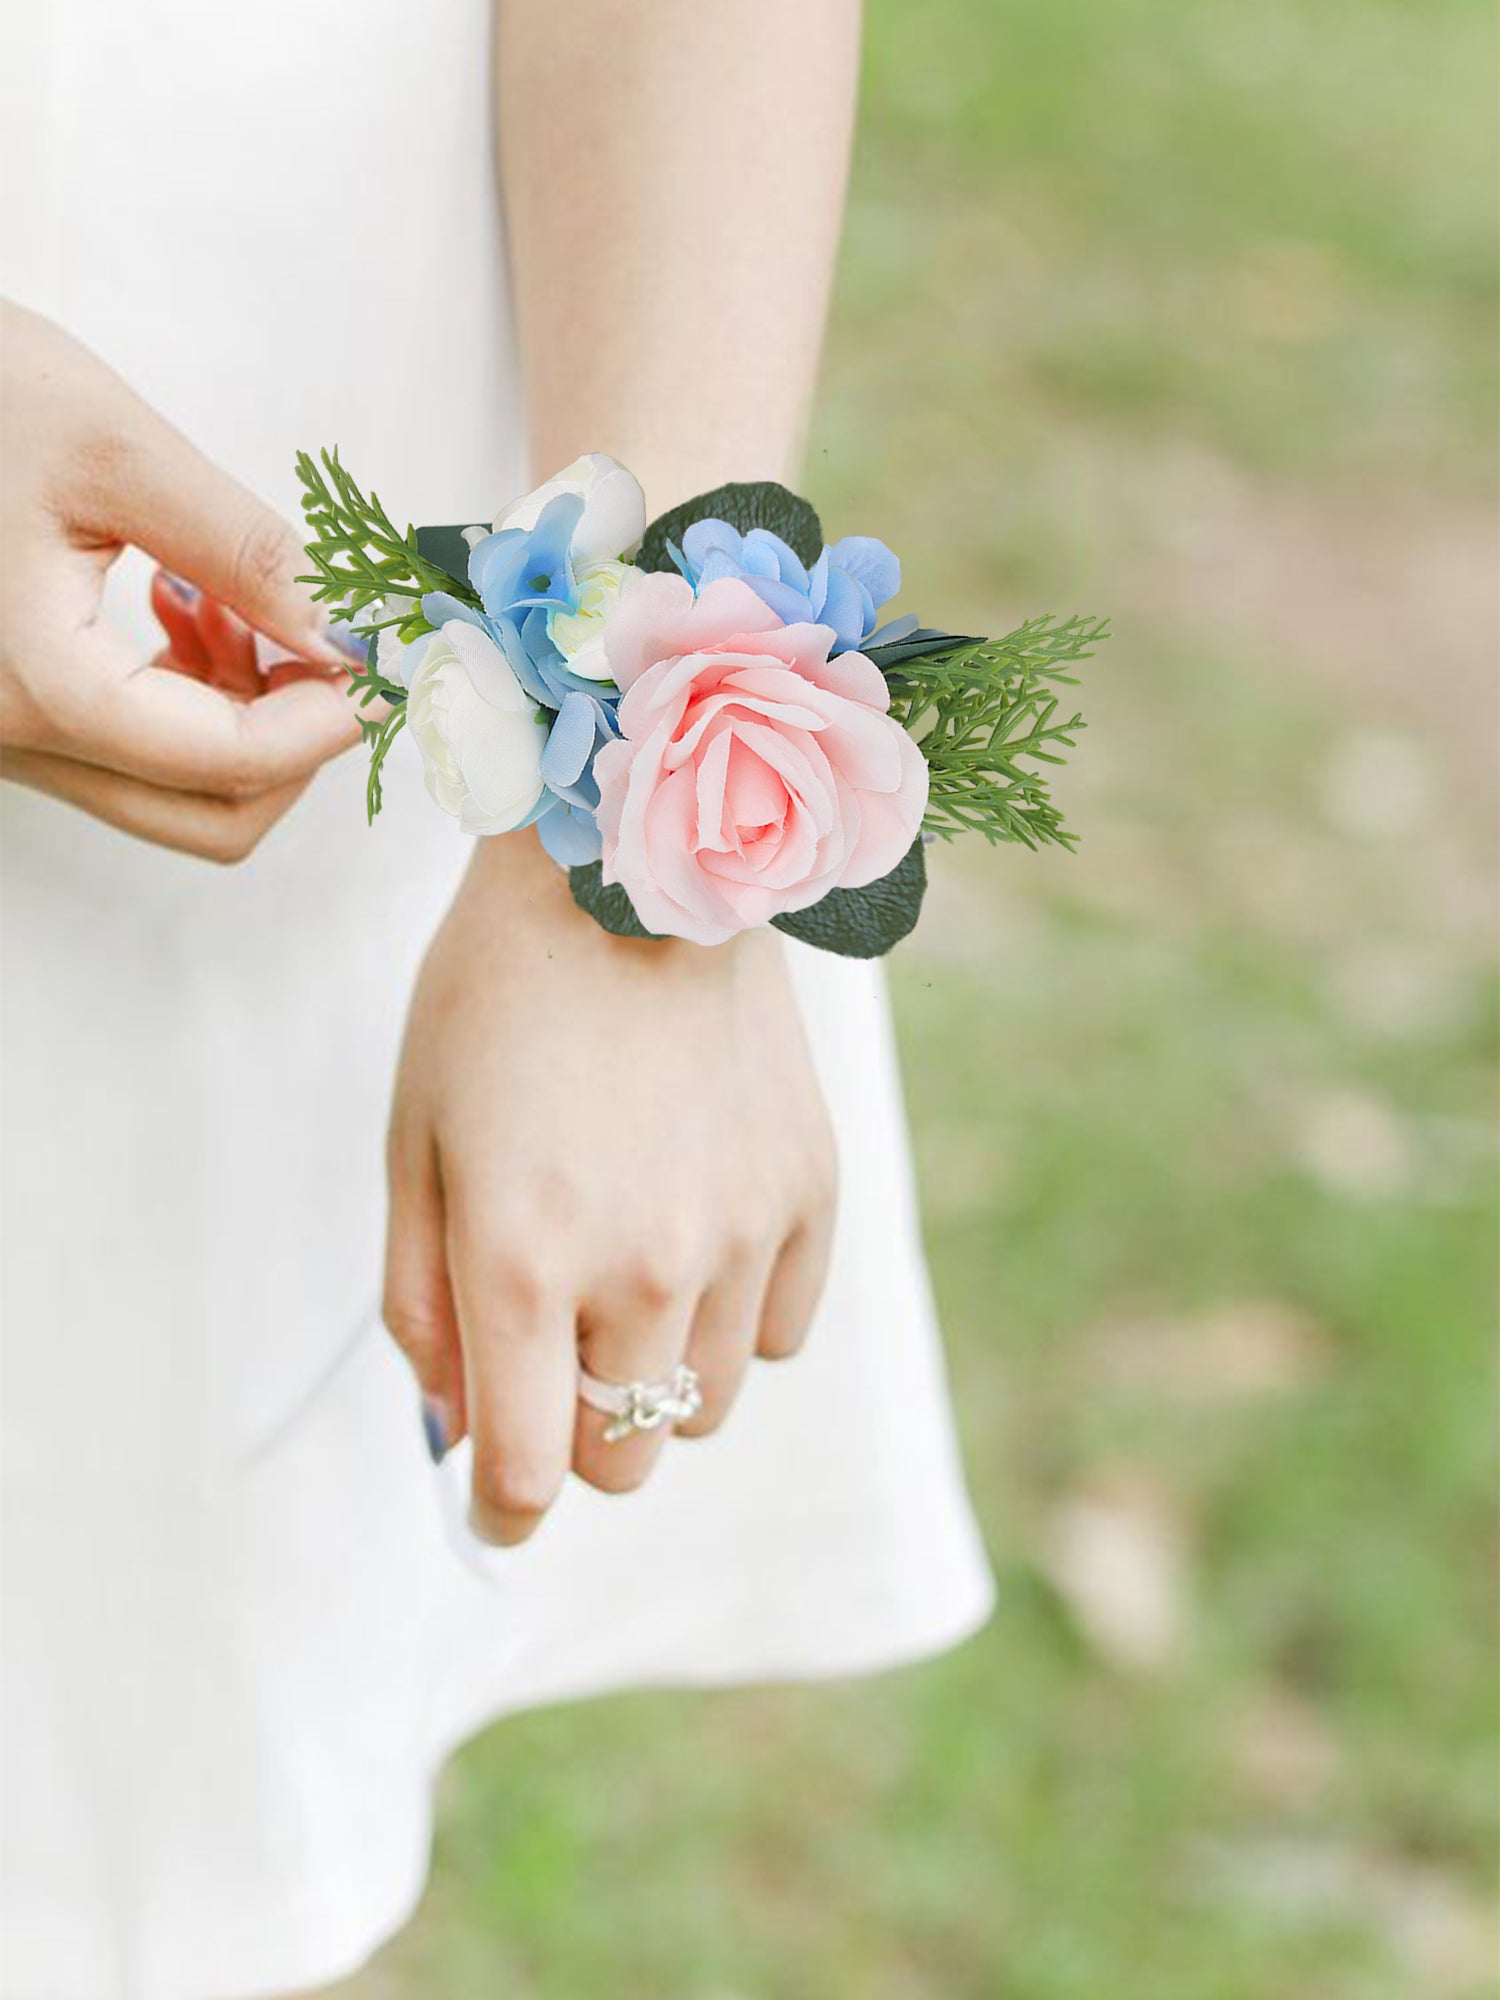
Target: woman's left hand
[602, 1150]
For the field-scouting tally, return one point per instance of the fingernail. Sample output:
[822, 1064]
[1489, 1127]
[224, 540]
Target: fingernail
[501, 1531]
[349, 643]
[435, 1427]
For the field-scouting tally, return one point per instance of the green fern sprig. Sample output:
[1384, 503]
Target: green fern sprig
[361, 559]
[358, 553]
[379, 736]
[367, 684]
[985, 714]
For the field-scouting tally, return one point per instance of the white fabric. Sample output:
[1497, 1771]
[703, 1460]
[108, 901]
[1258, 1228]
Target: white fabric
[241, 1622]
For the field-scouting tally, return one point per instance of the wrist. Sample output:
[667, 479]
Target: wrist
[517, 866]
[519, 897]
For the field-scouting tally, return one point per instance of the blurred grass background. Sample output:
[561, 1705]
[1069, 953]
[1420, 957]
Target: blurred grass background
[1183, 311]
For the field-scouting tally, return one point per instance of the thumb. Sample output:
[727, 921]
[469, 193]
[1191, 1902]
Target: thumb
[195, 519]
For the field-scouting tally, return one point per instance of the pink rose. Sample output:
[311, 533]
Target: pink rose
[754, 773]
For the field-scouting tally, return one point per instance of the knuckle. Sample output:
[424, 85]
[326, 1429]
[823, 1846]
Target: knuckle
[650, 1284]
[553, 1195]
[655, 1274]
[414, 1331]
[740, 1246]
[239, 826]
[265, 558]
[510, 1282]
[23, 720]
[507, 1485]
[243, 776]
[106, 462]
[229, 841]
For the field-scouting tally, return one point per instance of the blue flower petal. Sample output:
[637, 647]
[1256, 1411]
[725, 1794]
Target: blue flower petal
[571, 837]
[771, 548]
[350, 643]
[546, 575]
[438, 607]
[495, 566]
[844, 609]
[584, 795]
[870, 563]
[516, 567]
[790, 606]
[894, 629]
[534, 625]
[536, 683]
[817, 584]
[717, 564]
[705, 535]
[571, 743]
[762, 555]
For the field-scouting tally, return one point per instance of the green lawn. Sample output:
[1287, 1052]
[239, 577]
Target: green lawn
[1180, 310]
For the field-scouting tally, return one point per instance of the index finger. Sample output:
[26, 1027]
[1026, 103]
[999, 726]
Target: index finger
[163, 494]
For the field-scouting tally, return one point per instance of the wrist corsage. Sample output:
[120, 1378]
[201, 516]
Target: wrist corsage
[703, 717]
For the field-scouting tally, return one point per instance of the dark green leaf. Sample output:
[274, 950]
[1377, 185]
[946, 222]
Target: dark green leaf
[606, 902]
[917, 645]
[446, 549]
[865, 923]
[745, 505]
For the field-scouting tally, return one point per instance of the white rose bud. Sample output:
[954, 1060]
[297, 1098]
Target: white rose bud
[480, 734]
[579, 635]
[614, 508]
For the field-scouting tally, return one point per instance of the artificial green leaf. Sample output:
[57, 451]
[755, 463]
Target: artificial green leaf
[759, 503]
[985, 713]
[915, 646]
[446, 549]
[358, 554]
[865, 923]
[379, 739]
[606, 902]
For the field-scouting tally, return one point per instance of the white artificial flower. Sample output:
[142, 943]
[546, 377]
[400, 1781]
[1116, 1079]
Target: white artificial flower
[614, 508]
[579, 635]
[480, 734]
[395, 658]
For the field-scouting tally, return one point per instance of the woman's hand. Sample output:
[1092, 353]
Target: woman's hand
[181, 758]
[601, 1149]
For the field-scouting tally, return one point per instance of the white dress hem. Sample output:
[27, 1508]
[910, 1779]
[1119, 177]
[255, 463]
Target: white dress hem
[346, 1941]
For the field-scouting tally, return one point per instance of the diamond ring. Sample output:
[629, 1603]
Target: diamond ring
[642, 1406]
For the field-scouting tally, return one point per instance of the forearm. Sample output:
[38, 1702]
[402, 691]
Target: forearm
[674, 181]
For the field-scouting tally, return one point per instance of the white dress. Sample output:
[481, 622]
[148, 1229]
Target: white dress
[241, 1624]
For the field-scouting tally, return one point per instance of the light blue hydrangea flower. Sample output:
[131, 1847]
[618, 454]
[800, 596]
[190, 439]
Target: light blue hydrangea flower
[845, 587]
[521, 576]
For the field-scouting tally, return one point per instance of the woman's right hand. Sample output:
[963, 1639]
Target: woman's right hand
[86, 469]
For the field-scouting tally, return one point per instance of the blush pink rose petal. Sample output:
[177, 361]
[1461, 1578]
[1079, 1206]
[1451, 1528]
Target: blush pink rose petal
[753, 773]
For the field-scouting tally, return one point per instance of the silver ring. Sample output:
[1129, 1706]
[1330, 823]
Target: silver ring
[642, 1406]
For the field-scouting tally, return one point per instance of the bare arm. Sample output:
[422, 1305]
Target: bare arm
[674, 180]
[601, 1147]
